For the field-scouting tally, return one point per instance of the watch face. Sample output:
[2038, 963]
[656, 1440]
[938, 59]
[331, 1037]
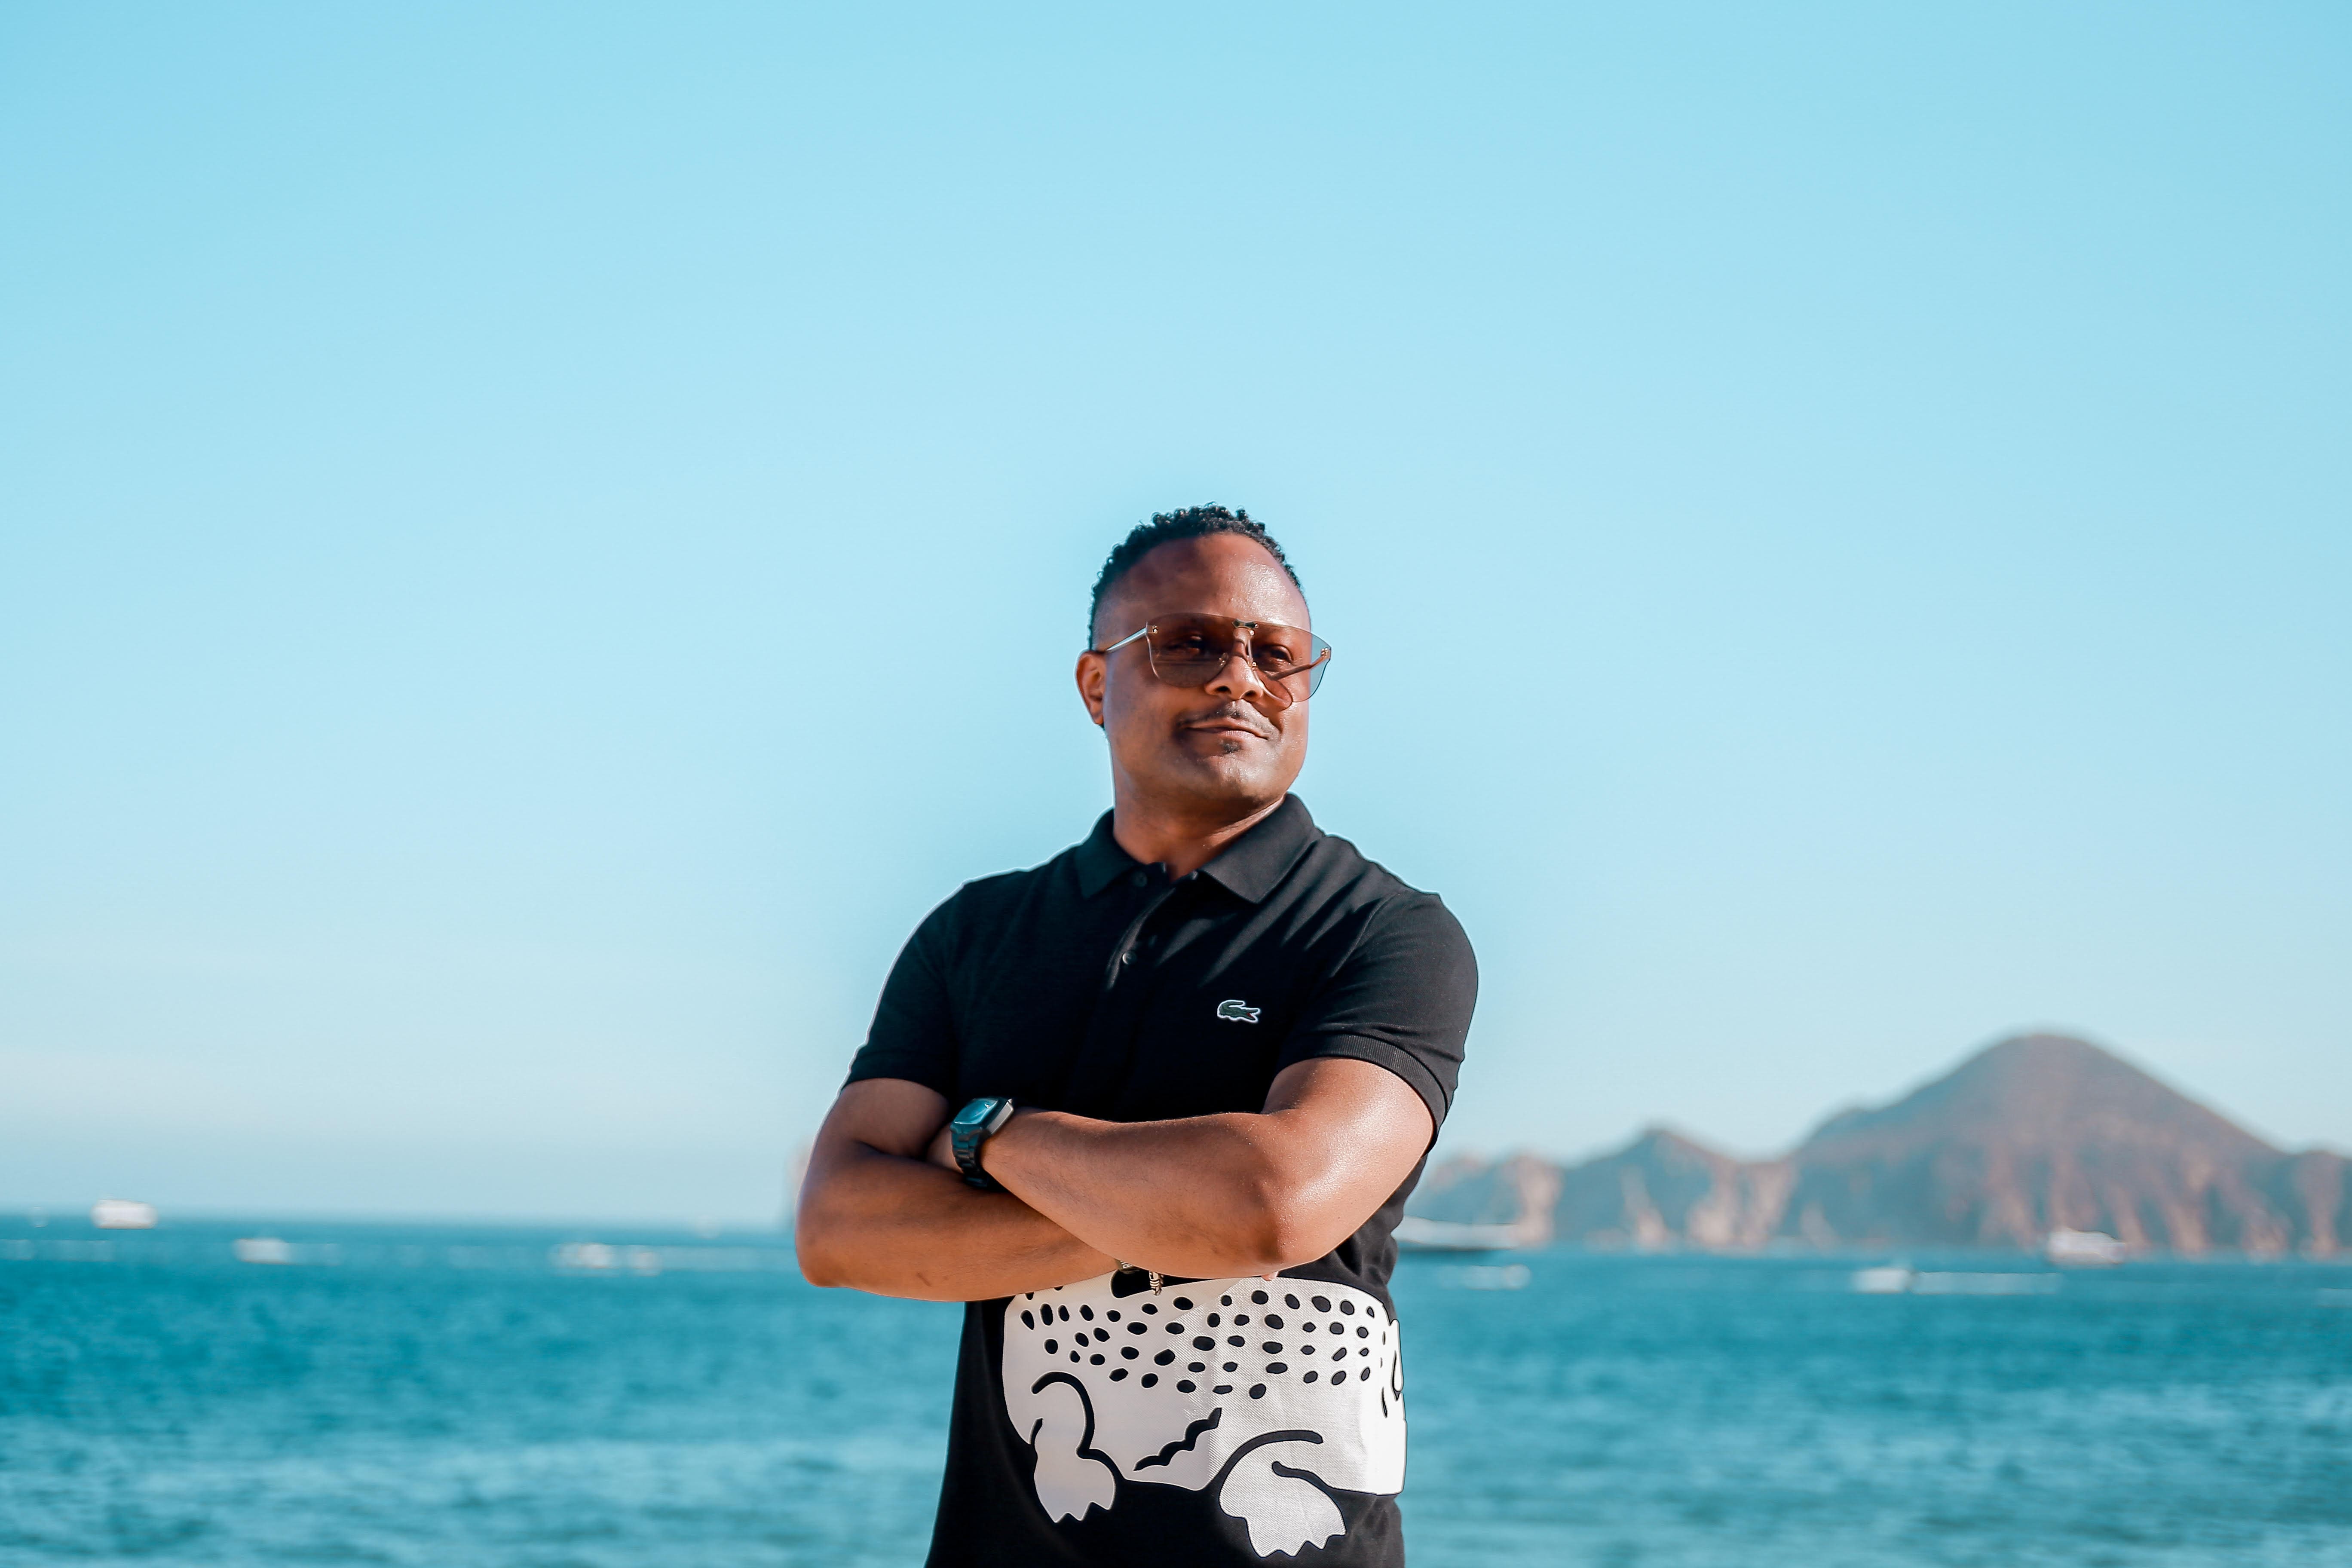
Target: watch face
[974, 1116]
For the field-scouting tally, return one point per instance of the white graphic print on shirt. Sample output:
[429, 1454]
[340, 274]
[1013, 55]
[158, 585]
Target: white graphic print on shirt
[1261, 1392]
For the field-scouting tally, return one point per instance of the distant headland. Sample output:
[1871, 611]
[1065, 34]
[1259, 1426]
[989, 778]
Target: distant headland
[2033, 1136]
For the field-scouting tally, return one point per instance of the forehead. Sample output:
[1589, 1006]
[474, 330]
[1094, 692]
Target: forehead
[1221, 574]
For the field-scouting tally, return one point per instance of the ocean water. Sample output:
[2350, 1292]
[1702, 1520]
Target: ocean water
[517, 1399]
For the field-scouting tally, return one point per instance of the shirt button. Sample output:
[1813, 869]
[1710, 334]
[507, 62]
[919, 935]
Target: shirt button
[1127, 957]
[1142, 878]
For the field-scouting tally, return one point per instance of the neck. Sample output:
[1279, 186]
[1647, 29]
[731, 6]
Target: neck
[1182, 841]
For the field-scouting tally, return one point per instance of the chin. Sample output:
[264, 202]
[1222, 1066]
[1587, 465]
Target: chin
[1232, 781]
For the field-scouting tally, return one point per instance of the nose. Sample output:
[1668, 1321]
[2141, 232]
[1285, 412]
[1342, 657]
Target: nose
[1238, 680]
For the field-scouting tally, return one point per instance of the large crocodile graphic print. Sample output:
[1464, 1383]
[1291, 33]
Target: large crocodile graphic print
[1263, 1392]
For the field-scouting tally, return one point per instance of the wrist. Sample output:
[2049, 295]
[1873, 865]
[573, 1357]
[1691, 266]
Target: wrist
[970, 1131]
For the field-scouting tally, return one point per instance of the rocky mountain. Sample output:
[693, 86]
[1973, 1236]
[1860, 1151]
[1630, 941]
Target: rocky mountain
[2034, 1134]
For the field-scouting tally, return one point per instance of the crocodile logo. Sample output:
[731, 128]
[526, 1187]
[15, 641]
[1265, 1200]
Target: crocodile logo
[1270, 1395]
[1237, 1012]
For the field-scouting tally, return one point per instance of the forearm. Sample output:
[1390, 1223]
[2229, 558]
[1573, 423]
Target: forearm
[1204, 1198]
[899, 1227]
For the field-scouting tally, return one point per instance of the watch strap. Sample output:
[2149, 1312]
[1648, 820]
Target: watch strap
[977, 1122]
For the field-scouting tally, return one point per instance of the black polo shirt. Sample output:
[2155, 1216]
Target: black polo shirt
[1097, 986]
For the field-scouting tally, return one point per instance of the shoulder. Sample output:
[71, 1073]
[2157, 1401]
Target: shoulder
[1337, 870]
[1414, 931]
[1399, 984]
[1385, 916]
[986, 904]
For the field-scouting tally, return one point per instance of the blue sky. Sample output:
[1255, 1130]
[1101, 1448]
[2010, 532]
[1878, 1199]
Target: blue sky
[1834, 522]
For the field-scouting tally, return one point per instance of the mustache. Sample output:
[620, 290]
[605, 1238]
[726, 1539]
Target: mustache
[1240, 713]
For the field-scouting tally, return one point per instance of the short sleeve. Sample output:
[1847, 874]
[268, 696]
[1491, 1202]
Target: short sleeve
[913, 1036]
[1400, 1000]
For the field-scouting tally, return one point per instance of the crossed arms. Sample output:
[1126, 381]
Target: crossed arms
[882, 1208]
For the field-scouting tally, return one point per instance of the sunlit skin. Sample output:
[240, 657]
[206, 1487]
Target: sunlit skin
[883, 1209]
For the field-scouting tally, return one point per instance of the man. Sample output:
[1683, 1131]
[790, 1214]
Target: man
[1193, 1066]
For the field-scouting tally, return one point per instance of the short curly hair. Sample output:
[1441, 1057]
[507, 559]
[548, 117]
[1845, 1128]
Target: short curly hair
[1166, 528]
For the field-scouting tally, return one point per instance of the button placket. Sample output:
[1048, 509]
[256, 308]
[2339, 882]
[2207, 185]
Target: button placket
[1123, 951]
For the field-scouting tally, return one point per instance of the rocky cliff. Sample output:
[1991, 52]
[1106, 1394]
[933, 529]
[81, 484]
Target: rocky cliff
[2031, 1136]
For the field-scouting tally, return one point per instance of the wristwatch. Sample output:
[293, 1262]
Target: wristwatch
[975, 1124]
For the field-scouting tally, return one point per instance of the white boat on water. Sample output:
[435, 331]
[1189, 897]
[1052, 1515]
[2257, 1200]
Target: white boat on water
[1902, 1279]
[122, 1214]
[2085, 1248]
[1415, 1233]
[1886, 1279]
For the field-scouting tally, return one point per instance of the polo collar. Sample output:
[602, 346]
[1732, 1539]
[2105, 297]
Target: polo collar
[1101, 862]
[1253, 865]
[1250, 867]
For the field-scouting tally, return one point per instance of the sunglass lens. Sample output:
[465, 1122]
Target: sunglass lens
[1291, 658]
[1190, 650]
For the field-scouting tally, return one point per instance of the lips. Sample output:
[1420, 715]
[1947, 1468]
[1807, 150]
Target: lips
[1228, 721]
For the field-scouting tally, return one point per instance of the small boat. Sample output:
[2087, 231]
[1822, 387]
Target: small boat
[1888, 1280]
[1415, 1233]
[122, 1214]
[263, 1249]
[2085, 1248]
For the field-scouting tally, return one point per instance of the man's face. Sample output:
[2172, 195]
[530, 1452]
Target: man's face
[1223, 750]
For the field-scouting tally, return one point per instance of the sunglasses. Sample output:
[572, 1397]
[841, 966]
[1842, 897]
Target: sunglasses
[1191, 649]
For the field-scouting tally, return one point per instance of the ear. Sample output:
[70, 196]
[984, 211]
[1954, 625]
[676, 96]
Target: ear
[1094, 675]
